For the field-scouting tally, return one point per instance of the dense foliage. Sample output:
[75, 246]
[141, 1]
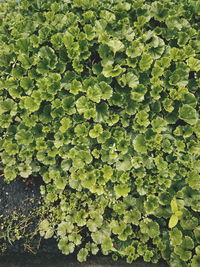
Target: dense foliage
[100, 99]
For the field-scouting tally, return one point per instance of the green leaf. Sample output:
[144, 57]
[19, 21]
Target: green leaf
[27, 84]
[173, 221]
[195, 261]
[197, 233]
[92, 247]
[116, 45]
[45, 229]
[175, 237]
[146, 61]
[89, 181]
[68, 105]
[25, 170]
[122, 190]
[133, 216]
[188, 114]
[174, 205]
[110, 71]
[10, 173]
[94, 93]
[132, 80]
[107, 244]
[106, 90]
[147, 226]
[68, 39]
[159, 124]
[193, 179]
[81, 130]
[65, 246]
[182, 38]
[82, 255]
[75, 238]
[129, 79]
[64, 228]
[49, 56]
[101, 112]
[183, 250]
[23, 45]
[88, 29]
[139, 144]
[10, 148]
[138, 93]
[135, 49]
[96, 131]
[124, 163]
[190, 99]
[23, 137]
[66, 124]
[194, 64]
[75, 87]
[151, 204]
[142, 118]
[30, 104]
[26, 61]
[108, 16]
[107, 172]
[60, 182]
[95, 222]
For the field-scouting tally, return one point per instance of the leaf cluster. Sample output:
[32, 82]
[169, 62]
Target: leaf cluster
[101, 100]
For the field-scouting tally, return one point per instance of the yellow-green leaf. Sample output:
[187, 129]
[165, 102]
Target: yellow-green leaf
[174, 206]
[173, 221]
[178, 213]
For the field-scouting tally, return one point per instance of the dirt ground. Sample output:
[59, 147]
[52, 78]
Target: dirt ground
[19, 196]
[47, 260]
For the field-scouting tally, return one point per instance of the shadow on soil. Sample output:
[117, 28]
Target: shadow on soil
[55, 260]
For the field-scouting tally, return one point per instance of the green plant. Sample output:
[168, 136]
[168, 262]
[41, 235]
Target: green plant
[100, 99]
[176, 213]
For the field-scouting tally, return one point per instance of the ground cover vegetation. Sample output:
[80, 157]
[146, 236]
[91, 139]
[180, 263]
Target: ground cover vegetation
[100, 99]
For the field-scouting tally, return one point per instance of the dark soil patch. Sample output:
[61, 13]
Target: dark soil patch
[53, 260]
[19, 215]
[19, 196]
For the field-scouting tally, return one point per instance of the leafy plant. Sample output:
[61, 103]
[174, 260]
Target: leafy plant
[176, 214]
[100, 99]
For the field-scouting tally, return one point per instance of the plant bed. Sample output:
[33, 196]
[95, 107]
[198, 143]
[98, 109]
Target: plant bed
[20, 242]
[99, 128]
